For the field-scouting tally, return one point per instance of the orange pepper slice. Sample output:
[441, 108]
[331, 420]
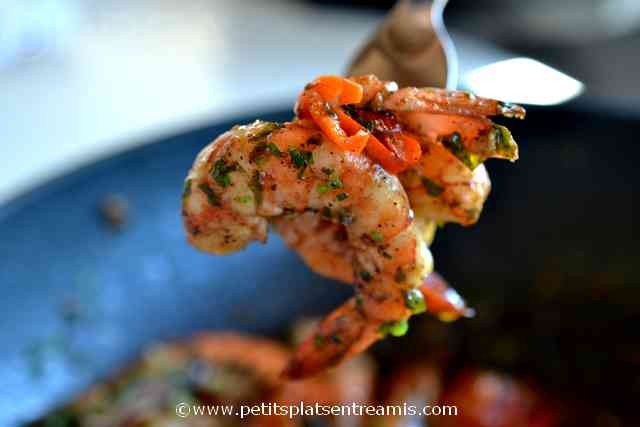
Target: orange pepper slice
[387, 159]
[334, 132]
[347, 123]
[338, 90]
[329, 92]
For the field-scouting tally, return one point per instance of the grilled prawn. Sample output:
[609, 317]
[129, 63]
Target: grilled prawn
[357, 161]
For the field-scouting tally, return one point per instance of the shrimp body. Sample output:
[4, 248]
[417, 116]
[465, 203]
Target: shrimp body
[256, 173]
[248, 176]
[322, 244]
[442, 189]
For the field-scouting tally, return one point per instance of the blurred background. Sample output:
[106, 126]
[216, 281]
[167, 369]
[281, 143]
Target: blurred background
[81, 78]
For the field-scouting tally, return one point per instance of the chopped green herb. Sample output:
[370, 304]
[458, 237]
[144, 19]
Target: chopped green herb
[359, 300]
[342, 196]
[319, 341]
[400, 276]
[187, 189]
[376, 236]
[211, 196]
[265, 130]
[327, 171]
[322, 188]
[414, 300]
[336, 339]
[273, 148]
[243, 199]
[366, 276]
[397, 329]
[456, 147]
[300, 159]
[433, 188]
[504, 142]
[255, 185]
[335, 183]
[220, 172]
[262, 151]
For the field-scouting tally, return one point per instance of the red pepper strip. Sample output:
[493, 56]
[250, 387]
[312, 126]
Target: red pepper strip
[329, 126]
[387, 159]
[378, 151]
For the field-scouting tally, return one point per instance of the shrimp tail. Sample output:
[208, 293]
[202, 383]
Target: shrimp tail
[442, 300]
[345, 332]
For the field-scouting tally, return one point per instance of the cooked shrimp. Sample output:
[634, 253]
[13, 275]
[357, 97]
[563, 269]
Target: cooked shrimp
[347, 331]
[339, 169]
[322, 244]
[259, 172]
[448, 183]
[224, 368]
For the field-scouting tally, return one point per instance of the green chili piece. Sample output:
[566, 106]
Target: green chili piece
[376, 236]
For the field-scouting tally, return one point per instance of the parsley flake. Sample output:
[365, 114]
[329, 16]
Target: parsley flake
[220, 172]
[211, 196]
[433, 188]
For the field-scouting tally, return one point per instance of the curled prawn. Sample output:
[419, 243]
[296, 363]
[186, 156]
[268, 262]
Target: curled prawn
[372, 169]
[259, 173]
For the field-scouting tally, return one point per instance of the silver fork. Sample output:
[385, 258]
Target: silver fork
[411, 47]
